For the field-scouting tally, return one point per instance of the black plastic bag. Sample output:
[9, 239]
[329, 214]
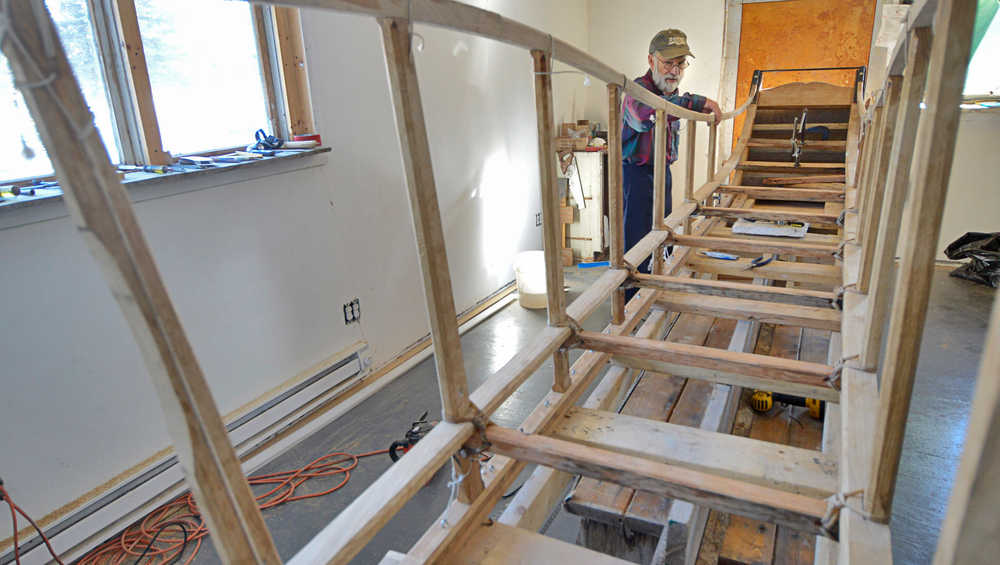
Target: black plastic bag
[984, 251]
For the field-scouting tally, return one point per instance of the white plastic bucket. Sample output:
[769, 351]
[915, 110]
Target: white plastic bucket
[529, 270]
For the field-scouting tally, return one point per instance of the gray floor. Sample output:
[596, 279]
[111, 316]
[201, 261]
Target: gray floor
[949, 358]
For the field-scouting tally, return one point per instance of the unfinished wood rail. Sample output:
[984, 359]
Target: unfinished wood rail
[709, 469]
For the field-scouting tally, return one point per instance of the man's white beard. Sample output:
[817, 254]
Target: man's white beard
[665, 82]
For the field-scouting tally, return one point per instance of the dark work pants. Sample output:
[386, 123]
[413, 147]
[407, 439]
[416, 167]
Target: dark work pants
[637, 182]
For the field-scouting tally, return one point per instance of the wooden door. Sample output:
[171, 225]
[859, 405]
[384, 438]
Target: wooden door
[803, 34]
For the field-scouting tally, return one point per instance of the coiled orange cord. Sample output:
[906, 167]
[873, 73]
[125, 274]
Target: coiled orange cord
[162, 549]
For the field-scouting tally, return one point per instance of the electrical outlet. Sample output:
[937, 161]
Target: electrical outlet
[352, 312]
[538, 220]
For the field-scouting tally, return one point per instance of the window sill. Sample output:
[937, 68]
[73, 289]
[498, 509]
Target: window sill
[144, 186]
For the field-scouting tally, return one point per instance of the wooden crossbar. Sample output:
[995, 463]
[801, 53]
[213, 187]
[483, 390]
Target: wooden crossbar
[810, 145]
[769, 312]
[789, 126]
[776, 270]
[797, 511]
[776, 181]
[819, 219]
[789, 167]
[804, 193]
[791, 469]
[785, 247]
[733, 289]
[706, 363]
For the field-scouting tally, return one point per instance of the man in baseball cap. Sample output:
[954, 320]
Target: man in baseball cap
[668, 57]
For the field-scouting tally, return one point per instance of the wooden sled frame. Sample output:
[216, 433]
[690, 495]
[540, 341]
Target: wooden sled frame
[886, 134]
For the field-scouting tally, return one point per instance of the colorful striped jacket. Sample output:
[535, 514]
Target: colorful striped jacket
[637, 126]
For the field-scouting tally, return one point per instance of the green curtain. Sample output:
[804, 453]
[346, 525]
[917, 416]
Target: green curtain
[985, 10]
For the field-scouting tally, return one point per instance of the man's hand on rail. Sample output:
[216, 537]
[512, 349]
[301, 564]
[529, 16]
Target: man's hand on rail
[712, 107]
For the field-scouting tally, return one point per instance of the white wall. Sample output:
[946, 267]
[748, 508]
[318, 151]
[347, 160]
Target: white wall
[258, 268]
[973, 202]
[620, 32]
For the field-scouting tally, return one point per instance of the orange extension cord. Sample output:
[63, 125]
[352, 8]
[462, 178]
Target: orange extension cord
[138, 540]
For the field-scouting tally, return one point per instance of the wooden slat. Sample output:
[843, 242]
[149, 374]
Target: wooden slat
[833, 126]
[739, 497]
[788, 167]
[802, 471]
[796, 180]
[497, 544]
[810, 145]
[774, 193]
[775, 270]
[810, 237]
[707, 363]
[731, 289]
[818, 219]
[758, 311]
[107, 222]
[932, 167]
[787, 246]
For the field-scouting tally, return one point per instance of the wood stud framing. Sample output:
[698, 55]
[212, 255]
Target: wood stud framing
[897, 186]
[556, 435]
[932, 161]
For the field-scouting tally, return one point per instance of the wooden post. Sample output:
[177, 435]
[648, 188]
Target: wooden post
[692, 127]
[427, 221]
[931, 170]
[660, 171]
[105, 219]
[545, 117]
[869, 230]
[970, 534]
[422, 192]
[712, 143]
[868, 189]
[896, 189]
[862, 167]
[616, 197]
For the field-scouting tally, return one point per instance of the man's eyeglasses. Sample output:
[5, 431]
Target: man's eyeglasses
[672, 63]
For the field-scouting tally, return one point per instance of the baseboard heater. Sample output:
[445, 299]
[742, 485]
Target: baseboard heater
[164, 480]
